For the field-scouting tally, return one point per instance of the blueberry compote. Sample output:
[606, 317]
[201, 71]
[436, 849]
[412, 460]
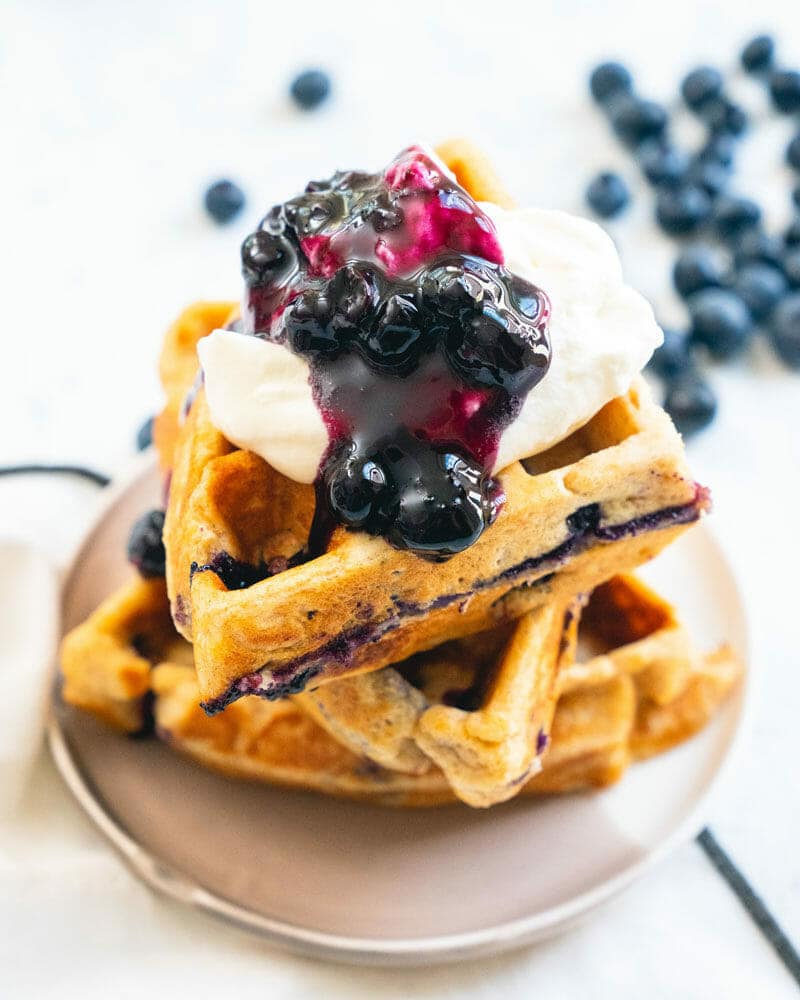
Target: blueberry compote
[421, 346]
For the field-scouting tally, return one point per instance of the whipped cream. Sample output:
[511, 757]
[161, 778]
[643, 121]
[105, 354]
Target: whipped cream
[602, 333]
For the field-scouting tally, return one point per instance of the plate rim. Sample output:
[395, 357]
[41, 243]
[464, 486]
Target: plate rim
[168, 881]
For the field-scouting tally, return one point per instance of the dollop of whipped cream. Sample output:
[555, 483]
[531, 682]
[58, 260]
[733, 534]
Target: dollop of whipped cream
[602, 332]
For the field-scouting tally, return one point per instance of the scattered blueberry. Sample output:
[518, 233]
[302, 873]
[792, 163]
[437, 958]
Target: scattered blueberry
[785, 330]
[144, 436]
[635, 120]
[720, 148]
[758, 54]
[723, 117]
[146, 545]
[792, 235]
[608, 195]
[609, 80]
[732, 215]
[682, 210]
[663, 164]
[720, 321]
[796, 196]
[224, 200]
[712, 176]
[791, 268]
[697, 267]
[784, 88]
[760, 287]
[310, 88]
[700, 86]
[673, 357]
[793, 152]
[691, 403]
[756, 245]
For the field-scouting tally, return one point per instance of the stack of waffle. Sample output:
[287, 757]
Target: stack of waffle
[532, 662]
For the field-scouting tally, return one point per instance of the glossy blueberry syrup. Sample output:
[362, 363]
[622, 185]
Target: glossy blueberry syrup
[421, 346]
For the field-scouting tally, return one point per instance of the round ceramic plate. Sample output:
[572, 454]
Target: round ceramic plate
[357, 882]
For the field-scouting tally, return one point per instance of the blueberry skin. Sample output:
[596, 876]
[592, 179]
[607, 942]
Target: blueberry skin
[756, 245]
[791, 268]
[784, 330]
[719, 147]
[144, 436]
[733, 215]
[609, 80]
[793, 152]
[696, 268]
[796, 196]
[224, 200]
[608, 195]
[784, 89]
[700, 86]
[634, 120]
[146, 545]
[310, 88]
[758, 54]
[663, 165]
[791, 237]
[712, 176]
[723, 117]
[683, 210]
[720, 321]
[691, 403]
[760, 287]
[673, 357]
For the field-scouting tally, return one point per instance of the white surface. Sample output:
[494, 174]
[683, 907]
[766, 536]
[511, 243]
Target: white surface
[116, 116]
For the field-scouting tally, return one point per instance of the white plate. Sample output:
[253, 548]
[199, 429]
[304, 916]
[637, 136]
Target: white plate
[356, 882]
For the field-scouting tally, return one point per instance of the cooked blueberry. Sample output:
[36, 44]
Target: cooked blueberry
[309, 330]
[720, 148]
[144, 436]
[793, 152]
[608, 80]
[697, 267]
[310, 88]
[701, 85]
[354, 485]
[758, 54]
[720, 321]
[265, 256]
[723, 117]
[791, 268]
[607, 195]
[732, 215]
[760, 287]
[785, 330]
[399, 336]
[354, 292]
[673, 357]
[784, 88]
[635, 120]
[691, 403]
[682, 210]
[663, 164]
[224, 200]
[792, 235]
[755, 244]
[146, 544]
[710, 175]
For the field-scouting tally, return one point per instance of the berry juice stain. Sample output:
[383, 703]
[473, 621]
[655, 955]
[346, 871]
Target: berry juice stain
[421, 345]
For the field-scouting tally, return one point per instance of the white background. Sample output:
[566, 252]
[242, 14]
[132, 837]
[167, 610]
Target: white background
[114, 118]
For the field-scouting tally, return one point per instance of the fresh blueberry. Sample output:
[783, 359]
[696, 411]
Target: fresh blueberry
[713, 177]
[758, 54]
[634, 120]
[785, 330]
[784, 88]
[791, 268]
[663, 164]
[791, 237]
[609, 80]
[146, 544]
[680, 211]
[700, 86]
[697, 267]
[224, 200]
[796, 196]
[793, 152]
[673, 357]
[144, 436]
[608, 195]
[760, 287]
[732, 215]
[720, 148]
[720, 321]
[723, 117]
[310, 89]
[756, 245]
[691, 403]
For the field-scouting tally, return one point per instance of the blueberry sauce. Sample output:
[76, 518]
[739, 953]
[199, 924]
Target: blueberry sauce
[421, 346]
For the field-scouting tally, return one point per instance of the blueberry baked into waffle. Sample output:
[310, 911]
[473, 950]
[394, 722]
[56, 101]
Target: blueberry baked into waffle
[393, 476]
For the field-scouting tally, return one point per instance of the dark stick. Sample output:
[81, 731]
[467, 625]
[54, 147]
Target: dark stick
[100, 478]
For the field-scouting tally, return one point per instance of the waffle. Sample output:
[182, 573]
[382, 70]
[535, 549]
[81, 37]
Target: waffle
[604, 500]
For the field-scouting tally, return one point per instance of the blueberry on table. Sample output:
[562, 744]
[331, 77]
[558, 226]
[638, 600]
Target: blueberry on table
[793, 152]
[723, 117]
[700, 86]
[796, 196]
[672, 358]
[784, 330]
[754, 244]
[784, 88]
[691, 403]
[697, 267]
[761, 287]
[712, 176]
[720, 321]
[635, 120]
[791, 237]
[146, 545]
[224, 200]
[144, 436]
[791, 268]
[758, 54]
[719, 147]
[310, 88]
[733, 215]
[608, 195]
[682, 210]
[663, 164]
[609, 80]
